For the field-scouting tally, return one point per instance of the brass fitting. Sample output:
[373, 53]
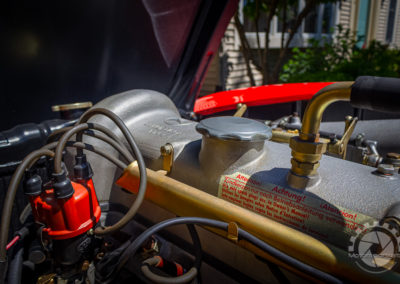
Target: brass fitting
[300, 168]
[167, 152]
[311, 147]
[307, 148]
[306, 156]
[279, 135]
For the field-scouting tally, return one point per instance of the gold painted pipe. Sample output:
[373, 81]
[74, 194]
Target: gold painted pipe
[307, 149]
[315, 108]
[184, 200]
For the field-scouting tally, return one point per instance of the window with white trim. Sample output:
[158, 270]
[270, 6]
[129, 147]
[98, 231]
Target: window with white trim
[391, 21]
[319, 23]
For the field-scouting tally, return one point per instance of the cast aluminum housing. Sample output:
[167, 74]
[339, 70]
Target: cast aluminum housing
[154, 121]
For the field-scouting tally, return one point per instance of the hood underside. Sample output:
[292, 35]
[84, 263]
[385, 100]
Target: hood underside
[63, 52]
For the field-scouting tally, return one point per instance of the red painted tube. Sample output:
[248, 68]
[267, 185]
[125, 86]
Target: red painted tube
[257, 96]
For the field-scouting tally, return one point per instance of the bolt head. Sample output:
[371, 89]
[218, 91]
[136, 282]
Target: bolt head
[386, 169]
[332, 137]
[166, 149]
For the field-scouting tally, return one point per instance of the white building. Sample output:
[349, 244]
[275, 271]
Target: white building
[370, 19]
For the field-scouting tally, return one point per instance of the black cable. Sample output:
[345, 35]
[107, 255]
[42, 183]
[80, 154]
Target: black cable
[13, 186]
[108, 137]
[32, 157]
[277, 272]
[85, 146]
[79, 130]
[155, 278]
[15, 269]
[61, 145]
[301, 266]
[122, 150]
[117, 120]
[142, 167]
[185, 278]
[131, 141]
[198, 252]
[9, 203]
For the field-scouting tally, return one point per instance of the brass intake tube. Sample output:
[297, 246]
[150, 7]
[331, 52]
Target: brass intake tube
[307, 149]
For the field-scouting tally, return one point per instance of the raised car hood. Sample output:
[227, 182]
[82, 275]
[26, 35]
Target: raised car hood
[63, 52]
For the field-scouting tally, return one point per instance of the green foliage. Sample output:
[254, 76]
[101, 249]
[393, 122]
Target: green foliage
[253, 8]
[340, 60]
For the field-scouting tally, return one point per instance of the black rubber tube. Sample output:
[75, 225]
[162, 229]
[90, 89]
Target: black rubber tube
[9, 203]
[29, 161]
[301, 266]
[15, 269]
[376, 93]
[116, 119]
[61, 145]
[135, 149]
[121, 149]
[84, 146]
[79, 129]
[109, 138]
[198, 252]
[16, 178]
[142, 167]
[188, 276]
[155, 278]
[277, 272]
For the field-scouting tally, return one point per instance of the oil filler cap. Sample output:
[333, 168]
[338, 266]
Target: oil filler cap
[234, 128]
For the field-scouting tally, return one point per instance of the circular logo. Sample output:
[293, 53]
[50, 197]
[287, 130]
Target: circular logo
[375, 247]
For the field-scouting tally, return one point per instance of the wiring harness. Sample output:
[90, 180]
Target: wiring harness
[54, 151]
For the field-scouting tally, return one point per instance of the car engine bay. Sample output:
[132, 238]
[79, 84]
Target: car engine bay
[254, 210]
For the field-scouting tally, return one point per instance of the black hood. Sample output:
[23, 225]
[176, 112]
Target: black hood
[57, 52]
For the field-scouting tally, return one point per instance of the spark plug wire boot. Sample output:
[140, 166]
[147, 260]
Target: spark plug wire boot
[82, 169]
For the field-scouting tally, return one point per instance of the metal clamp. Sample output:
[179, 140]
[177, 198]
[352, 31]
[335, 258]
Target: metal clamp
[340, 147]
[233, 232]
[240, 110]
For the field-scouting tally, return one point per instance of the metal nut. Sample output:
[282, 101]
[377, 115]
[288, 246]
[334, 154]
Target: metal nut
[304, 166]
[307, 147]
[166, 149]
[386, 169]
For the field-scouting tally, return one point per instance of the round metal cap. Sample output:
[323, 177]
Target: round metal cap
[71, 106]
[234, 128]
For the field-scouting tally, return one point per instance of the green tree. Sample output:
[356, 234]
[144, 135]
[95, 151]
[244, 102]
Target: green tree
[253, 10]
[341, 60]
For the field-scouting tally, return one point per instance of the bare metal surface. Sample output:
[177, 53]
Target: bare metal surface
[154, 121]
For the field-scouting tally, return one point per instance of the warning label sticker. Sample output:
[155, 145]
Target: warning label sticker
[300, 210]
